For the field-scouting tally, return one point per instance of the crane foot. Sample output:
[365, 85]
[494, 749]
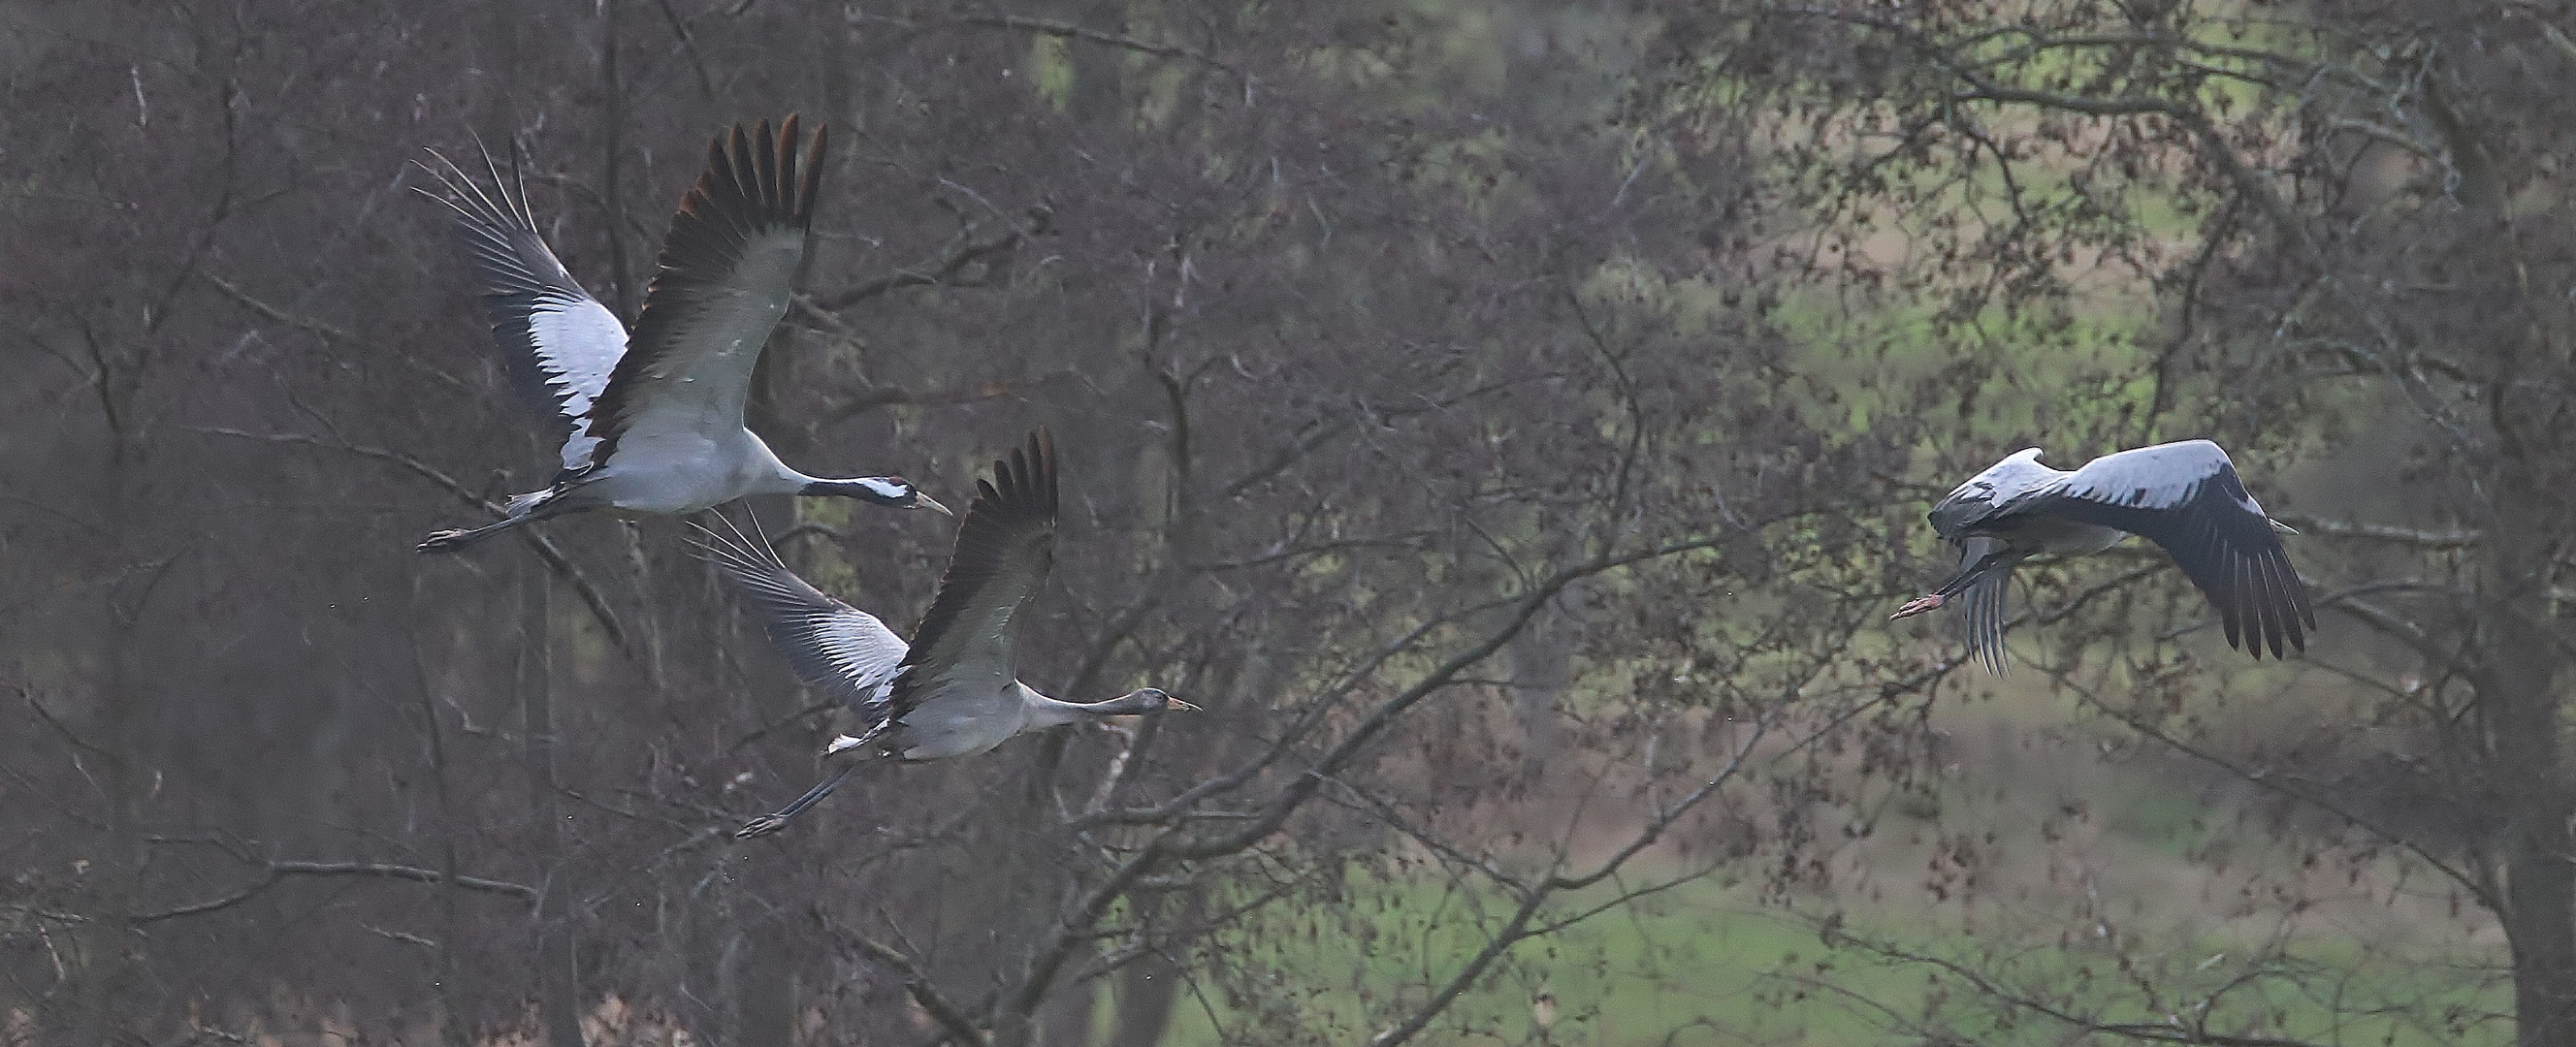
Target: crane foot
[444, 542]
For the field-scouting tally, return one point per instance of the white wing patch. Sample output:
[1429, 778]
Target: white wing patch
[834, 647]
[576, 376]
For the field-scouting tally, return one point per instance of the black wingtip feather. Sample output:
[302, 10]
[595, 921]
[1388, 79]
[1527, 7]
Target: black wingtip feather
[2219, 538]
[789, 185]
[764, 161]
[2261, 599]
[1986, 621]
[731, 203]
[2281, 628]
[2294, 620]
[1019, 501]
[812, 187]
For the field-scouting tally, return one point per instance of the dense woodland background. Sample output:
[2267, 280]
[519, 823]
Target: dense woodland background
[1511, 421]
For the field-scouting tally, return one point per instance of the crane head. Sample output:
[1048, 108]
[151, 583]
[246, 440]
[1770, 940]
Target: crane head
[893, 492]
[1150, 699]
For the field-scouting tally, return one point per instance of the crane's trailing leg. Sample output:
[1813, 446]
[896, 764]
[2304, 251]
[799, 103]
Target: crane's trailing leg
[526, 508]
[770, 823]
[1981, 557]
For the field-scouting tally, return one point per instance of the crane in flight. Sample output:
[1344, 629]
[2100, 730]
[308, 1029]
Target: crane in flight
[2183, 496]
[955, 689]
[656, 418]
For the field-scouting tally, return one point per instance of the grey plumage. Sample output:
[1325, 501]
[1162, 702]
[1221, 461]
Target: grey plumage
[657, 419]
[954, 691]
[2184, 496]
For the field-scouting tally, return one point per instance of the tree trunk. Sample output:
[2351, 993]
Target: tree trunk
[2515, 686]
[558, 991]
[1150, 987]
[103, 971]
[115, 727]
[765, 987]
[1001, 906]
[2519, 656]
[1542, 669]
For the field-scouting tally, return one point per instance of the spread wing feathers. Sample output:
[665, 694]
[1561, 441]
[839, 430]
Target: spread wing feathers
[727, 267]
[1004, 551]
[1995, 488]
[2187, 498]
[1985, 607]
[541, 318]
[834, 647]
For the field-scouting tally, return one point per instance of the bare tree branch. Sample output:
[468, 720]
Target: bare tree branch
[2457, 539]
[274, 313]
[280, 871]
[563, 566]
[960, 1028]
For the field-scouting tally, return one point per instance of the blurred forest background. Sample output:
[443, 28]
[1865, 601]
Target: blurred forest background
[1512, 421]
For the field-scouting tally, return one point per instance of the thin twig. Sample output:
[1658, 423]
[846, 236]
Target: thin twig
[279, 871]
[916, 982]
[563, 566]
[274, 313]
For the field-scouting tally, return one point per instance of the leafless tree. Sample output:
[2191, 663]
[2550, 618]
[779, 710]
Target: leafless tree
[1441, 407]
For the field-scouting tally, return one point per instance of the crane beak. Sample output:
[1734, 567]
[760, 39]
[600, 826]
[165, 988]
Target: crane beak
[1920, 605]
[1175, 703]
[924, 501]
[2281, 527]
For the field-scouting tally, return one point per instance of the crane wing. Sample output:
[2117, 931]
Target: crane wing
[727, 267]
[1990, 492]
[1985, 605]
[835, 648]
[541, 318]
[2187, 498]
[1004, 551]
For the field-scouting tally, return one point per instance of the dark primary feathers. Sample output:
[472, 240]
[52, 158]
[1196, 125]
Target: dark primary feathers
[2184, 496]
[727, 266]
[835, 648]
[2201, 514]
[1985, 606]
[1004, 551]
[956, 692]
[541, 317]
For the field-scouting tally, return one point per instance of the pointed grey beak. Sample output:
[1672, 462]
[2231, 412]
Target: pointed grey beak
[921, 500]
[1175, 703]
[2281, 527]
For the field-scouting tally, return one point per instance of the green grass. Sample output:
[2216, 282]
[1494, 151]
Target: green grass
[2092, 873]
[1708, 964]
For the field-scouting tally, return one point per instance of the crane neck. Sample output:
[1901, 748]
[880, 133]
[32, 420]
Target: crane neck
[882, 490]
[1048, 712]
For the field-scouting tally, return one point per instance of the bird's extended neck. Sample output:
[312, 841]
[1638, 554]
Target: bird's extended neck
[882, 490]
[1048, 712]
